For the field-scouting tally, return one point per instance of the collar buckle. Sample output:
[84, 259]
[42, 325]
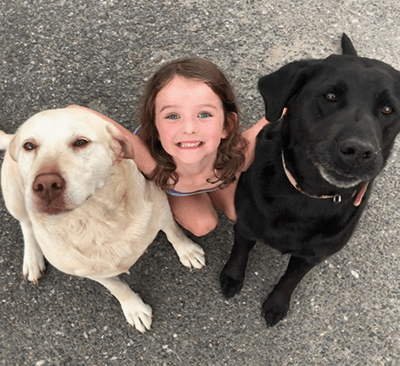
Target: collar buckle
[337, 198]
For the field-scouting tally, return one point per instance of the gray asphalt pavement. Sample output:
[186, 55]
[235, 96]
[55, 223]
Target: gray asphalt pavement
[100, 54]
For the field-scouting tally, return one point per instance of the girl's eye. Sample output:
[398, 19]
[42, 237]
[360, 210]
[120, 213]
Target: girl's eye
[204, 115]
[80, 143]
[331, 97]
[172, 116]
[29, 146]
[387, 110]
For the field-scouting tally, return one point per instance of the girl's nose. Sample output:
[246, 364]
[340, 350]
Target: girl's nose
[189, 126]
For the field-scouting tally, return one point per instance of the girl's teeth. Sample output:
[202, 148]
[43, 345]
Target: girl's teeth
[189, 144]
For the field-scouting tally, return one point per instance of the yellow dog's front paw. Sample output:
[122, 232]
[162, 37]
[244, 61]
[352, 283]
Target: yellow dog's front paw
[138, 314]
[33, 268]
[192, 255]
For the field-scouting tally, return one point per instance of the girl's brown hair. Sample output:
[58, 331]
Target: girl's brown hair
[230, 155]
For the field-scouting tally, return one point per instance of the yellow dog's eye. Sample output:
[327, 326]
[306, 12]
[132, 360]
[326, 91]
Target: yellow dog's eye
[29, 146]
[80, 143]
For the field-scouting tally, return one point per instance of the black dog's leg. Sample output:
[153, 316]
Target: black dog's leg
[277, 305]
[232, 276]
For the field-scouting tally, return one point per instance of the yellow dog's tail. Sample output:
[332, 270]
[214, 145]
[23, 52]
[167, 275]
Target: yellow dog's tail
[4, 140]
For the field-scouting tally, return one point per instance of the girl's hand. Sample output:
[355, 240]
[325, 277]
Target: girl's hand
[139, 152]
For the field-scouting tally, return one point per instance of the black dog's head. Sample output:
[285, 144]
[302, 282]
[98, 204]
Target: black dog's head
[343, 113]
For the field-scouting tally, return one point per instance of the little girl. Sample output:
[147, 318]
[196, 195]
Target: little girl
[189, 142]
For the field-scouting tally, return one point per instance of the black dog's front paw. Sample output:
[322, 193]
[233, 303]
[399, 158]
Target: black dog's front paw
[274, 310]
[229, 286]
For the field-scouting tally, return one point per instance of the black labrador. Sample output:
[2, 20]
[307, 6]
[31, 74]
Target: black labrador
[314, 167]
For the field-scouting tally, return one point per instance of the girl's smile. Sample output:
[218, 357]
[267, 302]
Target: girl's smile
[190, 144]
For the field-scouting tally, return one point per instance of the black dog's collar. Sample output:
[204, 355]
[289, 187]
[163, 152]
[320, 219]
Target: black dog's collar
[336, 198]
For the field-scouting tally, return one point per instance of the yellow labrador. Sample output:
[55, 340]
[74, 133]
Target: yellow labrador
[88, 210]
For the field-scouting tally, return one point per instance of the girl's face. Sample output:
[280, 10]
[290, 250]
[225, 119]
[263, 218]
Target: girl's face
[190, 120]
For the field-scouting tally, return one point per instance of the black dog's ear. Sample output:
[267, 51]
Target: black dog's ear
[347, 46]
[277, 88]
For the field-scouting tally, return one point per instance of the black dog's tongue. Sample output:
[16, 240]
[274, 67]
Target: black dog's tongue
[360, 194]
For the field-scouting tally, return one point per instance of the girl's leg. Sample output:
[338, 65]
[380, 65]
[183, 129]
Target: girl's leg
[224, 199]
[195, 213]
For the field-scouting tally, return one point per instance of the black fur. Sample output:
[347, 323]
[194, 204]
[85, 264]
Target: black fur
[343, 114]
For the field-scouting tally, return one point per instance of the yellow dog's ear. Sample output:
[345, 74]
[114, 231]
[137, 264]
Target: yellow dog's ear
[13, 148]
[9, 141]
[122, 147]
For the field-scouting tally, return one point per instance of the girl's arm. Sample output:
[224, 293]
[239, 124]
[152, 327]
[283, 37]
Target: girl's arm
[140, 152]
[250, 135]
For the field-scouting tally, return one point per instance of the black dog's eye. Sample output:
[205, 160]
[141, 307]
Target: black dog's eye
[330, 97]
[80, 143]
[387, 110]
[29, 146]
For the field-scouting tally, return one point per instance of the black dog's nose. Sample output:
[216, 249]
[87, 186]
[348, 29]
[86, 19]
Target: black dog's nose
[356, 152]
